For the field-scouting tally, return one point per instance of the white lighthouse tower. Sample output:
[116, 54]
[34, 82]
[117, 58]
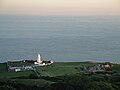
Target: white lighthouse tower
[39, 59]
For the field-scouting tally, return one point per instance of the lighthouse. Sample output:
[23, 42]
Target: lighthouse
[39, 59]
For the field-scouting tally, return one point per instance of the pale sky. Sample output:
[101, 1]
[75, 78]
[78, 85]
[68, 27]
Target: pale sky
[60, 7]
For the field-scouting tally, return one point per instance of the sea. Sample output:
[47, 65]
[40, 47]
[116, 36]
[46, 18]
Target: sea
[60, 38]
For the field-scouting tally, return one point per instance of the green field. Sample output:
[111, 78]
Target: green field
[3, 67]
[32, 82]
[116, 68]
[62, 68]
[59, 76]
[55, 69]
[15, 74]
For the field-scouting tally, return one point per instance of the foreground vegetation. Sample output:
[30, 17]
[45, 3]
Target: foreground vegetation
[60, 76]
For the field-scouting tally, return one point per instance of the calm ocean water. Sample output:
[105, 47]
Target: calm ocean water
[84, 38]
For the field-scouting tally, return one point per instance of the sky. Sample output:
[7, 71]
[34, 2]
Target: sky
[59, 7]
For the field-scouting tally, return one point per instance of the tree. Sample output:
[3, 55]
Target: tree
[100, 86]
[6, 87]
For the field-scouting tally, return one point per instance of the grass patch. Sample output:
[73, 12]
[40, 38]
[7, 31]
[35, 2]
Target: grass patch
[33, 82]
[15, 74]
[116, 68]
[3, 67]
[62, 68]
